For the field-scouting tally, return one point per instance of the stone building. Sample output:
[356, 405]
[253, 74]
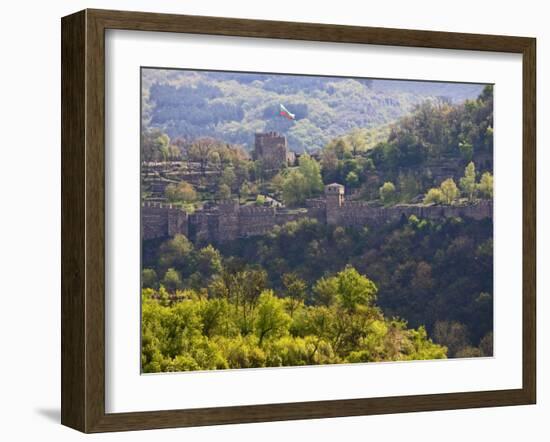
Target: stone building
[227, 220]
[334, 197]
[271, 148]
[162, 220]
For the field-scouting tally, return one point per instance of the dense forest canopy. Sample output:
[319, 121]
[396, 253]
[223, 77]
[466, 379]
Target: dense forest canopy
[418, 150]
[430, 274]
[233, 106]
[238, 322]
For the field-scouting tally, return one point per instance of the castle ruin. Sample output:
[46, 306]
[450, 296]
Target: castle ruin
[272, 150]
[228, 220]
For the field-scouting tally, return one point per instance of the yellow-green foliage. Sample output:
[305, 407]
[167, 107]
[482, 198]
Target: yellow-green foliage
[434, 196]
[485, 185]
[303, 182]
[447, 193]
[240, 324]
[181, 192]
[387, 192]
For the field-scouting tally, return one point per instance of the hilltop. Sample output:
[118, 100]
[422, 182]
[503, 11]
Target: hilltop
[234, 106]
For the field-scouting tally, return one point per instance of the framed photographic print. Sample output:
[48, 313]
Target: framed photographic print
[267, 221]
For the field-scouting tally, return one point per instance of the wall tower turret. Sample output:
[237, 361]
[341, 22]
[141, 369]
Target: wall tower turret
[334, 194]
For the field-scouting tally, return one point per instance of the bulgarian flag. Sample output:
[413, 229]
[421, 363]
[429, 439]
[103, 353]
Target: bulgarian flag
[283, 112]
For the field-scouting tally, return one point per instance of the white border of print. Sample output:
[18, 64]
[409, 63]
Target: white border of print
[127, 390]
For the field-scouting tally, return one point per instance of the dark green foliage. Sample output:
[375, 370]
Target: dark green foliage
[426, 271]
[232, 106]
[438, 134]
[191, 107]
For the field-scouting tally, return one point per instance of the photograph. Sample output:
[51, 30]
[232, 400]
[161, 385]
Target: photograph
[251, 221]
[298, 220]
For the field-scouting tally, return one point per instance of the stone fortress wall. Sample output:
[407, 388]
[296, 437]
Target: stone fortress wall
[357, 213]
[227, 220]
[160, 220]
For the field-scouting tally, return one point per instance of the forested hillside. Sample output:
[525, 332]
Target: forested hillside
[233, 106]
[433, 143]
[314, 289]
[436, 275]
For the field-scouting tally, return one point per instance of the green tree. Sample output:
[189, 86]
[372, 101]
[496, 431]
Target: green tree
[271, 318]
[193, 332]
[311, 171]
[326, 291]
[176, 252]
[295, 290]
[434, 196]
[468, 181]
[449, 190]
[200, 151]
[209, 261]
[453, 335]
[216, 317]
[341, 147]
[154, 145]
[387, 192]
[466, 150]
[244, 190]
[352, 180]
[354, 289]
[277, 182]
[245, 288]
[242, 170]
[260, 200]
[181, 192]
[172, 280]
[224, 192]
[485, 186]
[294, 188]
[228, 178]
[330, 164]
[149, 278]
[408, 186]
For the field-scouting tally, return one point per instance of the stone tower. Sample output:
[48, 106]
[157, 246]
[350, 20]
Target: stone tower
[334, 195]
[271, 148]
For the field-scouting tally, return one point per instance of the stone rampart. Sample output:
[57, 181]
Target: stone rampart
[227, 220]
[159, 220]
[355, 213]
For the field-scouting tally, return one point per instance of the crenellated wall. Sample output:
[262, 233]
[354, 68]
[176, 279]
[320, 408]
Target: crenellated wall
[227, 220]
[160, 220]
[356, 213]
[317, 209]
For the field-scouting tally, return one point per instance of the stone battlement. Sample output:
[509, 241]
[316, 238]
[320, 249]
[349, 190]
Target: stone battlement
[347, 204]
[227, 220]
[159, 205]
[256, 210]
[161, 220]
[316, 203]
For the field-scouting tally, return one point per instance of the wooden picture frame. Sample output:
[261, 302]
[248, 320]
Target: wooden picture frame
[83, 220]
